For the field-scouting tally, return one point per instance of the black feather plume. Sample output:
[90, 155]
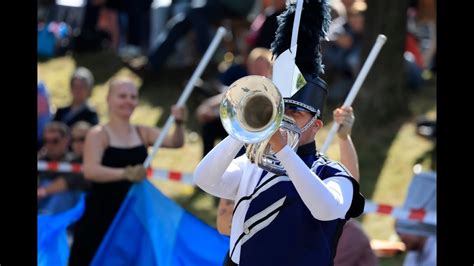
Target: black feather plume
[314, 26]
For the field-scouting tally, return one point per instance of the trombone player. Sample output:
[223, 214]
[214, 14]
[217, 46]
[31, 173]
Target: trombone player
[290, 201]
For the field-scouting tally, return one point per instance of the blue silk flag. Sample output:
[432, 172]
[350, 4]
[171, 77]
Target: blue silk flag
[52, 242]
[151, 229]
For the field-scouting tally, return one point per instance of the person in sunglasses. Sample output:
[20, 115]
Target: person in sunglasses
[78, 137]
[57, 191]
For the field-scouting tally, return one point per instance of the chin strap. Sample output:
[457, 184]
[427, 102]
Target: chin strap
[309, 124]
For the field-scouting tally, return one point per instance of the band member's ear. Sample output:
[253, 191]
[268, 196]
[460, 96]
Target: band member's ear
[319, 123]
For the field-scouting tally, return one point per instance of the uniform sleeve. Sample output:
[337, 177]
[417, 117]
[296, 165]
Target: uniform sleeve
[219, 173]
[327, 199]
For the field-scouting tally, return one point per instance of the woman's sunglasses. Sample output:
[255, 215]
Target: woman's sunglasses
[54, 141]
[79, 139]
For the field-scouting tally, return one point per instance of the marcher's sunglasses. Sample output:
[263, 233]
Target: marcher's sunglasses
[79, 139]
[54, 141]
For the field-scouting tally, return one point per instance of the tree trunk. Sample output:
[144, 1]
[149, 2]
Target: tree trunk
[383, 95]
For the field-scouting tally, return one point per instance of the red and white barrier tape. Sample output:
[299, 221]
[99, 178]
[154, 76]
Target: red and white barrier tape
[400, 213]
[370, 207]
[59, 167]
[151, 173]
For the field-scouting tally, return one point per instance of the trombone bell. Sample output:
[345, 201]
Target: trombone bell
[252, 109]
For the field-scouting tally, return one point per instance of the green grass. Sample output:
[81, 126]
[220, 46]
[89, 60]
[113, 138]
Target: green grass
[386, 153]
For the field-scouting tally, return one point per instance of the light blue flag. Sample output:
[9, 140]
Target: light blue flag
[52, 243]
[150, 229]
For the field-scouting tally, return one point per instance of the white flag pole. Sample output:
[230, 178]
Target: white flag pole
[356, 87]
[187, 92]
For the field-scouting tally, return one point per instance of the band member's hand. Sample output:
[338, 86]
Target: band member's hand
[135, 173]
[180, 113]
[277, 141]
[345, 117]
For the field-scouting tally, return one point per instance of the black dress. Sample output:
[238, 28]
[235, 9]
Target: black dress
[102, 203]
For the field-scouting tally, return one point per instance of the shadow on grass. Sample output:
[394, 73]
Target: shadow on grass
[103, 64]
[164, 89]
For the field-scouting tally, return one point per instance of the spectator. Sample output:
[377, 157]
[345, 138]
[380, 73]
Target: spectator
[263, 28]
[342, 54]
[100, 26]
[82, 83]
[199, 20]
[57, 192]
[419, 237]
[43, 112]
[78, 137]
[413, 57]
